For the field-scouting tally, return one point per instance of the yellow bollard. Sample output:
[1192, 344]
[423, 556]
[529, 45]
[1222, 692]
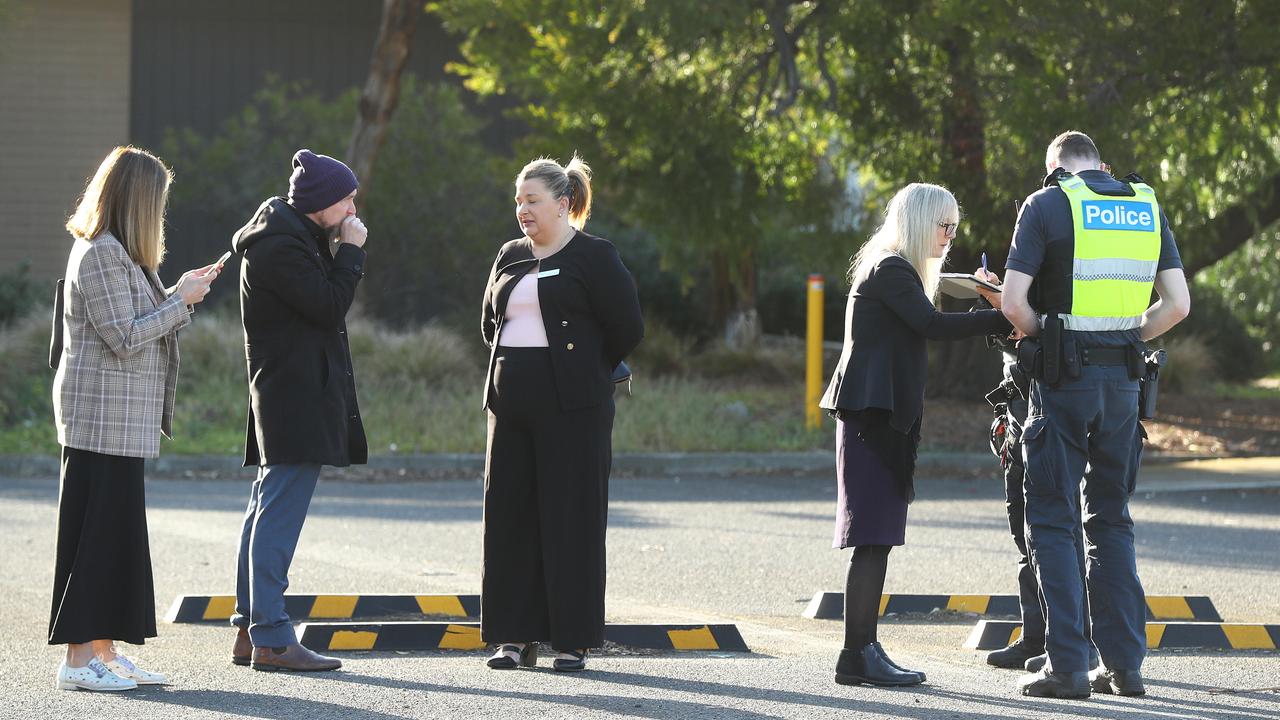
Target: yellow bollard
[813, 356]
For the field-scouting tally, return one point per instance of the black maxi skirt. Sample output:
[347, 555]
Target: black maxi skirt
[546, 500]
[102, 586]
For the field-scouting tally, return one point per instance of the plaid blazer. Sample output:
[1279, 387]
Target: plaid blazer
[113, 393]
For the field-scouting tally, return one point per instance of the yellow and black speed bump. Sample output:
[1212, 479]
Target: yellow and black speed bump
[994, 634]
[323, 637]
[205, 608]
[830, 606]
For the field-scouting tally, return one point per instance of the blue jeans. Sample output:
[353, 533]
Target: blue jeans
[1085, 429]
[278, 505]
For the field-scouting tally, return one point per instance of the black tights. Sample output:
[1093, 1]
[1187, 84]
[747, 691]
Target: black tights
[862, 591]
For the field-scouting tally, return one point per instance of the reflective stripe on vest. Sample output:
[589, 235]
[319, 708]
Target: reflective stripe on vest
[1117, 250]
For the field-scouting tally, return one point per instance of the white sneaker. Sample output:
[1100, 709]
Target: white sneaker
[94, 676]
[125, 668]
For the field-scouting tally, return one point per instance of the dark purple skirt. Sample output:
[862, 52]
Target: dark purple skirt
[870, 508]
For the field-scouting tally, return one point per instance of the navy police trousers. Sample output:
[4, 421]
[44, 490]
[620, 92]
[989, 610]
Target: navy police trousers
[1087, 429]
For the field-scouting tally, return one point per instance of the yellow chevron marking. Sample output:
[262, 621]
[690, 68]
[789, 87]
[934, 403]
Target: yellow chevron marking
[220, 607]
[352, 640]
[333, 606]
[695, 639]
[461, 637]
[449, 605]
[969, 603]
[884, 603]
[1248, 637]
[1170, 608]
[1013, 636]
[1155, 633]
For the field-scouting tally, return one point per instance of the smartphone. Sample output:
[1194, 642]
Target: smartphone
[223, 260]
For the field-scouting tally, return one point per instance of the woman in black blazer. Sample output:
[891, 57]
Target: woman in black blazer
[560, 312]
[877, 397]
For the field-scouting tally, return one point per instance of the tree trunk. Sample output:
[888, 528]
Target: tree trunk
[967, 368]
[382, 89]
[734, 297]
[1235, 226]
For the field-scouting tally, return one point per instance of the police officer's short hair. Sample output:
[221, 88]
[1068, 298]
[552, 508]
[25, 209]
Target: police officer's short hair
[1071, 145]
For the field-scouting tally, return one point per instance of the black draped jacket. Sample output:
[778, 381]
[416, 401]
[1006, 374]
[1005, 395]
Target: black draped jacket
[590, 310]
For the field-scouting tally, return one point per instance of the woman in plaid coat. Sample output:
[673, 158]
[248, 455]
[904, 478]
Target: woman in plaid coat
[112, 397]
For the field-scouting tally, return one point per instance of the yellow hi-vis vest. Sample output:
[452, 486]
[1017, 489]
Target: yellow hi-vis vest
[1117, 249]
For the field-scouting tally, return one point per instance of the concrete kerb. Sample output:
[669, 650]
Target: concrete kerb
[828, 605]
[995, 634]
[432, 636]
[470, 466]
[340, 606]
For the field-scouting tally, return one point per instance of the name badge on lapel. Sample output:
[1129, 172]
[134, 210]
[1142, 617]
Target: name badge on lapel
[548, 273]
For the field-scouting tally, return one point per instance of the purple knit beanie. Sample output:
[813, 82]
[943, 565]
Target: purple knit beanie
[318, 181]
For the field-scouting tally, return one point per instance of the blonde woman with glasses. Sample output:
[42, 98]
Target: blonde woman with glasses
[112, 398]
[877, 397]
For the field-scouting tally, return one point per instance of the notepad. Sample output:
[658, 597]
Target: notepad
[963, 285]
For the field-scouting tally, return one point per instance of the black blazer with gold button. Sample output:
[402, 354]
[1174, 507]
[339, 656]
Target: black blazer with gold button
[589, 308]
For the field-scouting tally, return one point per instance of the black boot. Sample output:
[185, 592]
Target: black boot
[865, 665]
[1055, 685]
[1037, 663]
[1016, 655]
[1117, 682]
[885, 657]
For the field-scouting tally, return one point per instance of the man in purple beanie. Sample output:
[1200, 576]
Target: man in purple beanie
[296, 286]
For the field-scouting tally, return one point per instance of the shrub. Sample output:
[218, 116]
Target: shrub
[26, 381]
[429, 354]
[1224, 338]
[760, 364]
[1191, 369]
[19, 294]
[661, 353]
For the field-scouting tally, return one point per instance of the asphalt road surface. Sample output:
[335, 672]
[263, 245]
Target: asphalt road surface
[745, 550]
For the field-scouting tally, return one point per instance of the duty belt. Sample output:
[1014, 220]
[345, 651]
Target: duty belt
[1104, 356]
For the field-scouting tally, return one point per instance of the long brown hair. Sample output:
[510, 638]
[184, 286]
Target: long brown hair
[126, 198]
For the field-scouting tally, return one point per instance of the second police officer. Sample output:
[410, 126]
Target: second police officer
[1087, 251]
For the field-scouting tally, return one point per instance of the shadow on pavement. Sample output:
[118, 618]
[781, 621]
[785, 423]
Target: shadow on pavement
[253, 704]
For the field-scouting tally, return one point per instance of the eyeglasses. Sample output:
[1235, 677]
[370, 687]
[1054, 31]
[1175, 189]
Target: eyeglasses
[949, 228]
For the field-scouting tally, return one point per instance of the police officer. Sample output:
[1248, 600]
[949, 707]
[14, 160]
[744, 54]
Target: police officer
[1087, 251]
[1010, 402]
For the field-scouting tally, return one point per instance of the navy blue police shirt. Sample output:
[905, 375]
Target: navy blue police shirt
[1045, 220]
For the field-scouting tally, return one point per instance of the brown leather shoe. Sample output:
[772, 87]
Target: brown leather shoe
[242, 651]
[295, 658]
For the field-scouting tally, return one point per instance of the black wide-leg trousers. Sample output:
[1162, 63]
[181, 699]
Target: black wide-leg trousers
[546, 499]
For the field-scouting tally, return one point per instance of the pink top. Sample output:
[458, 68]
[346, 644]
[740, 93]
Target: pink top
[523, 325]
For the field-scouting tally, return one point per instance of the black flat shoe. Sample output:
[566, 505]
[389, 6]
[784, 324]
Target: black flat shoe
[884, 656]
[865, 665]
[576, 662]
[523, 657]
[1117, 682]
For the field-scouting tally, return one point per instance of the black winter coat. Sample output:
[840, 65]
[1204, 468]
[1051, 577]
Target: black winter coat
[884, 362]
[589, 308]
[294, 297]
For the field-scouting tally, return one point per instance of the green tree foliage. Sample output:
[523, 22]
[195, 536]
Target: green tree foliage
[436, 213]
[717, 119]
[1247, 283]
[652, 94]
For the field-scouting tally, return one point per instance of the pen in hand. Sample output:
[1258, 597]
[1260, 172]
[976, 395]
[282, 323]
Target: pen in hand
[984, 263]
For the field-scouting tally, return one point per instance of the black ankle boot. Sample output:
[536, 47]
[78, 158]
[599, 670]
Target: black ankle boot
[1016, 655]
[885, 656]
[865, 665]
